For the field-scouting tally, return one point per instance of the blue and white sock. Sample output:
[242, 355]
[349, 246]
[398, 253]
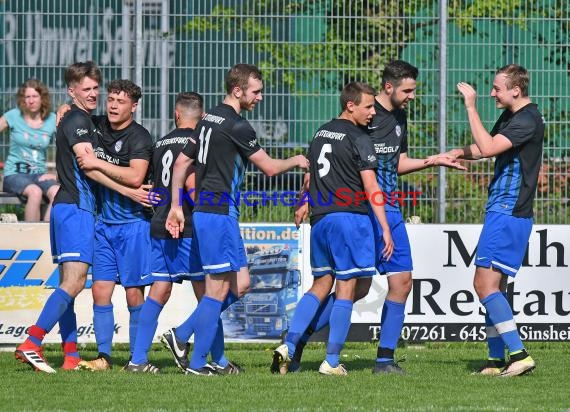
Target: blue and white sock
[495, 343]
[501, 316]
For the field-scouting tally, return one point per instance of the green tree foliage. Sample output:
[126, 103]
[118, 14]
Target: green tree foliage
[360, 36]
[315, 47]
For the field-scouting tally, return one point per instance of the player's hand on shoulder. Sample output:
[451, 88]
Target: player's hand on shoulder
[302, 162]
[61, 111]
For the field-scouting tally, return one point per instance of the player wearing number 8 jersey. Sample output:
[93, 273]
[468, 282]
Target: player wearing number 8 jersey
[225, 143]
[170, 258]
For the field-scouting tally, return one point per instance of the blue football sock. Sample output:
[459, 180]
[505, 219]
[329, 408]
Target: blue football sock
[501, 316]
[68, 328]
[186, 328]
[104, 326]
[135, 312]
[148, 322]
[230, 298]
[207, 315]
[321, 318]
[217, 350]
[54, 308]
[391, 323]
[339, 326]
[304, 313]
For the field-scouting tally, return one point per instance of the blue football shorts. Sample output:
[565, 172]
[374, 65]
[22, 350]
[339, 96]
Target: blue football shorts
[175, 260]
[401, 260]
[122, 253]
[219, 243]
[72, 234]
[342, 244]
[503, 242]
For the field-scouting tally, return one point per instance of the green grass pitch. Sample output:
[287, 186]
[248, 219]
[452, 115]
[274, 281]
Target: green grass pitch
[438, 379]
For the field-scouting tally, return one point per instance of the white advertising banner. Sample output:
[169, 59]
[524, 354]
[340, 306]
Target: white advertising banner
[442, 305]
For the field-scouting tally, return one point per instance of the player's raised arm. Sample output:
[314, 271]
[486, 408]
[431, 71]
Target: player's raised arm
[488, 145]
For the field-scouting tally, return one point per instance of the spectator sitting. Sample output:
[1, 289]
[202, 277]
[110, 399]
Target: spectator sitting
[32, 129]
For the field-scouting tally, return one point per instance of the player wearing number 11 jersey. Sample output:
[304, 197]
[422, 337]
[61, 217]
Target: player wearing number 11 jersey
[225, 143]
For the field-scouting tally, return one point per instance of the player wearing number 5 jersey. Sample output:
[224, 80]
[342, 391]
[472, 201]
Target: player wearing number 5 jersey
[342, 240]
[225, 143]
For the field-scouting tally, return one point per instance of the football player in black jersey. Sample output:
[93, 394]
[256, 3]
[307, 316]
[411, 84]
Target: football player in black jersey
[72, 223]
[170, 258]
[225, 144]
[342, 188]
[122, 232]
[516, 142]
[388, 132]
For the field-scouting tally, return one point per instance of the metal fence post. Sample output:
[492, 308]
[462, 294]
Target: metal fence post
[442, 115]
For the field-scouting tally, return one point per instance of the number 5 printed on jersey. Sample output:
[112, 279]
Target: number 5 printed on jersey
[324, 163]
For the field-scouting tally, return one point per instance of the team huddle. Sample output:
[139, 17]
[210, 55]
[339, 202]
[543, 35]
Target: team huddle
[101, 217]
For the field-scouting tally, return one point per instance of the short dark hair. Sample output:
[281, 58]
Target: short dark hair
[126, 86]
[238, 76]
[353, 92]
[190, 100]
[78, 71]
[189, 105]
[38, 86]
[398, 70]
[515, 76]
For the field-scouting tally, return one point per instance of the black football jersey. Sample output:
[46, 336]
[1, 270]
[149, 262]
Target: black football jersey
[165, 152]
[224, 142]
[75, 187]
[339, 151]
[119, 147]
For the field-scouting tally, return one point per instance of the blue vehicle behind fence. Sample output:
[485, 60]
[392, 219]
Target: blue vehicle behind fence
[275, 281]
